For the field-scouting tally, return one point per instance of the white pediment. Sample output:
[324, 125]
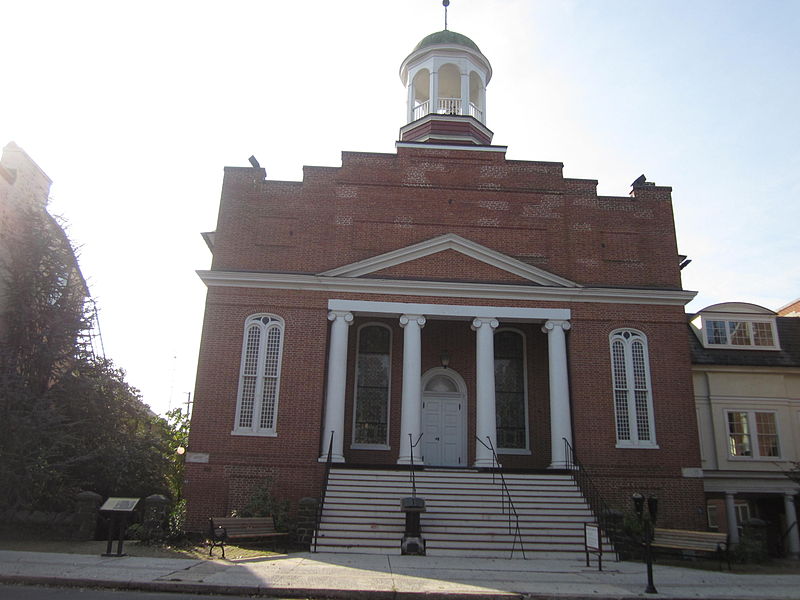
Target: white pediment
[456, 243]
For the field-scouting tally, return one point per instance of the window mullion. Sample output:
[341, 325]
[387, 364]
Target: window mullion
[631, 385]
[260, 376]
[755, 448]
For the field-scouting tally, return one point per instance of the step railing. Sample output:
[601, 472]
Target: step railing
[412, 476]
[609, 525]
[325, 478]
[505, 498]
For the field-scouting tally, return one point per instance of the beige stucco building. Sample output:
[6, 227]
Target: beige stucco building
[746, 373]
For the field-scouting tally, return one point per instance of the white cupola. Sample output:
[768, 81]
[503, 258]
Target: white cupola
[446, 77]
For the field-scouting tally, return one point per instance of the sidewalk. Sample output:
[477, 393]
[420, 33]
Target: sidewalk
[307, 575]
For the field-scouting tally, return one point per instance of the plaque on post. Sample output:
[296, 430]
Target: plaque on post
[593, 542]
[118, 510]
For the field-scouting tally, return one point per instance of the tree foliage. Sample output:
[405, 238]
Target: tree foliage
[68, 419]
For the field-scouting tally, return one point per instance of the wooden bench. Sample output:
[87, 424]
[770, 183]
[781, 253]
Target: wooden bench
[225, 529]
[695, 541]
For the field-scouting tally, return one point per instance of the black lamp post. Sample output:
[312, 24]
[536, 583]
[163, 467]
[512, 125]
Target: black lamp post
[648, 526]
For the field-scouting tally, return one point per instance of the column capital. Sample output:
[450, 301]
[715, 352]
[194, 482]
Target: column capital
[731, 494]
[550, 326]
[346, 315]
[406, 319]
[477, 322]
[790, 493]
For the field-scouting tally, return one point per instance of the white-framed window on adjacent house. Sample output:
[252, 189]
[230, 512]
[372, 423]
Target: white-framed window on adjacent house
[373, 379]
[259, 376]
[752, 434]
[739, 333]
[511, 395]
[633, 396]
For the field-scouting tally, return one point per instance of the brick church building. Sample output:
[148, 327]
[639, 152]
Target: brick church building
[445, 305]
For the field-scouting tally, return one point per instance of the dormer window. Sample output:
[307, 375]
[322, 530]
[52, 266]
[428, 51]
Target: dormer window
[740, 333]
[751, 327]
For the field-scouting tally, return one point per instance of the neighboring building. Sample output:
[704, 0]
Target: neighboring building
[447, 292]
[790, 310]
[23, 186]
[746, 365]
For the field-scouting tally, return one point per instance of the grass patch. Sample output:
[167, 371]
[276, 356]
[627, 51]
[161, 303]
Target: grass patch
[775, 566]
[31, 541]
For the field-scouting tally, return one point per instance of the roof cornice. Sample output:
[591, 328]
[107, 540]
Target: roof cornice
[442, 289]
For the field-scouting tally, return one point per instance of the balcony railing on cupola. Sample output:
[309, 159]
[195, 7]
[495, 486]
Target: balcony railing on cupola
[447, 106]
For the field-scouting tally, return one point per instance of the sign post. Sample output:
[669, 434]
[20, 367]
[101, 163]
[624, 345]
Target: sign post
[593, 542]
[118, 510]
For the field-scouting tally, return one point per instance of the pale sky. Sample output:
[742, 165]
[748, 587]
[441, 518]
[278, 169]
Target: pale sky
[134, 108]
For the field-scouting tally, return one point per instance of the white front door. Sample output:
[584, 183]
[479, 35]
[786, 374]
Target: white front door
[442, 426]
[444, 419]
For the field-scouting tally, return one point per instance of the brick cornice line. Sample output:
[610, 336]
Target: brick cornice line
[442, 289]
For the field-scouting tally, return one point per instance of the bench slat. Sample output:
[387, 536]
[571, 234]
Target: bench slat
[222, 529]
[696, 541]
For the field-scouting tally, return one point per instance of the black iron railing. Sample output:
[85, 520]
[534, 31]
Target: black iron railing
[413, 478]
[324, 491]
[608, 521]
[505, 498]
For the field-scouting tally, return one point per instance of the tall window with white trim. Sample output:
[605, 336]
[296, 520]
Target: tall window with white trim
[373, 371]
[259, 376]
[633, 398]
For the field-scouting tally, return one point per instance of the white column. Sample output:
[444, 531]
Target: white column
[464, 93]
[486, 413]
[434, 99]
[560, 418]
[411, 401]
[411, 93]
[337, 379]
[793, 538]
[730, 515]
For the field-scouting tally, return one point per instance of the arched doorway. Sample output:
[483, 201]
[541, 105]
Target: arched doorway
[444, 418]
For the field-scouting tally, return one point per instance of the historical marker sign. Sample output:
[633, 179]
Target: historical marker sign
[120, 504]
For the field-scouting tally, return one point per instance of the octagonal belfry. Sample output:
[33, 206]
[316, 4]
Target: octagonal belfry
[446, 77]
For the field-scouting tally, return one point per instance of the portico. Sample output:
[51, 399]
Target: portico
[484, 320]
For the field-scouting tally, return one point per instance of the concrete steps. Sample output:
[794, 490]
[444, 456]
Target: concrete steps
[467, 513]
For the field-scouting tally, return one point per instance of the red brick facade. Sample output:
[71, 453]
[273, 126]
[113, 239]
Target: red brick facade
[620, 251]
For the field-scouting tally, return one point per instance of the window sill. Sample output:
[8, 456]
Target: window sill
[370, 447]
[245, 432]
[631, 446]
[738, 347]
[517, 451]
[755, 458]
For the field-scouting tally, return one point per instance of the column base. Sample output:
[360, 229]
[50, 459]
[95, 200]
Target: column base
[560, 465]
[406, 460]
[337, 458]
[486, 463]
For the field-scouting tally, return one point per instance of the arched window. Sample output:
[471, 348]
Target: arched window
[373, 370]
[510, 390]
[633, 398]
[259, 376]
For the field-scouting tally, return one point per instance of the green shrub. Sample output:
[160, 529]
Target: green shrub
[263, 504]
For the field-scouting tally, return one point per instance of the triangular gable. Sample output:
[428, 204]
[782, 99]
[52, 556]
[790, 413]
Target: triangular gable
[457, 243]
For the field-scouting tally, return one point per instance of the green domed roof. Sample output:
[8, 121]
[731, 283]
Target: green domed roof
[446, 37]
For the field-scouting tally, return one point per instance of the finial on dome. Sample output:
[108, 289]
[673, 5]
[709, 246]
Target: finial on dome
[445, 3]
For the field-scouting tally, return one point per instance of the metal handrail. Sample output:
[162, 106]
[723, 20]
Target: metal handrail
[412, 475]
[324, 491]
[506, 497]
[592, 494]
